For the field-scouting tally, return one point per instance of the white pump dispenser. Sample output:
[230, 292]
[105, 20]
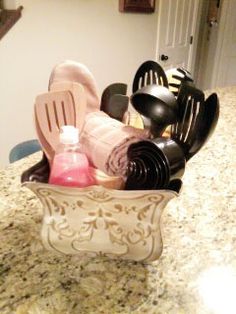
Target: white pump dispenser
[69, 135]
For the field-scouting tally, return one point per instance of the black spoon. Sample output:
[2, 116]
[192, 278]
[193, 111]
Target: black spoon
[158, 105]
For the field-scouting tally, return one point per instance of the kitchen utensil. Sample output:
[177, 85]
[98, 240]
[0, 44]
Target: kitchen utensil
[53, 110]
[127, 118]
[152, 127]
[38, 172]
[117, 106]
[79, 99]
[158, 105]
[145, 170]
[184, 75]
[149, 73]
[47, 149]
[175, 185]
[206, 125]
[153, 164]
[190, 115]
[114, 101]
[176, 77]
[133, 119]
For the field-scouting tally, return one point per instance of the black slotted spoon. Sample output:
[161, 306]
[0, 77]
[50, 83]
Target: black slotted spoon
[191, 113]
[150, 72]
[207, 124]
[175, 81]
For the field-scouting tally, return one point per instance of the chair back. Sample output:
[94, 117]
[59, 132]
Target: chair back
[24, 149]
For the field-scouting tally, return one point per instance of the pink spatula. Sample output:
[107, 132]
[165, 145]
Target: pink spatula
[53, 110]
[79, 97]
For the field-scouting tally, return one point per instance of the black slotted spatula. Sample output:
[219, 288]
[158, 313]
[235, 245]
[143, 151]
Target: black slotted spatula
[150, 72]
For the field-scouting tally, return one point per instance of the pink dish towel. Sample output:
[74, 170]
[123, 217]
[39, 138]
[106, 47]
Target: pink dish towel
[105, 141]
[76, 72]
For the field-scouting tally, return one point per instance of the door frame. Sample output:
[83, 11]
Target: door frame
[216, 73]
[210, 65]
[195, 33]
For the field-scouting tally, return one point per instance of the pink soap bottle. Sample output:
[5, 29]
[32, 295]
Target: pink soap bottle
[70, 166]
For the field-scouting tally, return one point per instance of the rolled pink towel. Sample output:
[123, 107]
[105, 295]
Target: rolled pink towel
[76, 72]
[105, 141]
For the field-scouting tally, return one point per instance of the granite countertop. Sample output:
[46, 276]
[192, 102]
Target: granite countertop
[196, 272]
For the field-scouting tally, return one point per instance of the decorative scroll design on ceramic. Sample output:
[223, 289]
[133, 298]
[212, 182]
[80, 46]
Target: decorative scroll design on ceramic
[96, 220]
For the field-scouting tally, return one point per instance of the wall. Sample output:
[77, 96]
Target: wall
[110, 43]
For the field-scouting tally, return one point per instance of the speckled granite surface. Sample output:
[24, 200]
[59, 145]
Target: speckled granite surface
[199, 233]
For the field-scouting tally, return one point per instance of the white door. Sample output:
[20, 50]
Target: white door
[177, 23]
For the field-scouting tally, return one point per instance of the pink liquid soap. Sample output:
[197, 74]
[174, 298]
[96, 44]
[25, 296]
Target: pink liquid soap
[72, 169]
[70, 166]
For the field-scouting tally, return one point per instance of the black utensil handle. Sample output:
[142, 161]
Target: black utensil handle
[38, 172]
[109, 91]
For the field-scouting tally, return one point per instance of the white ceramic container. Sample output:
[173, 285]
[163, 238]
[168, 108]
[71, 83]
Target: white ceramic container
[100, 221]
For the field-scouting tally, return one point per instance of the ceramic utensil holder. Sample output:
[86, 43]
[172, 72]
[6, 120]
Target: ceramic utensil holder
[99, 221]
